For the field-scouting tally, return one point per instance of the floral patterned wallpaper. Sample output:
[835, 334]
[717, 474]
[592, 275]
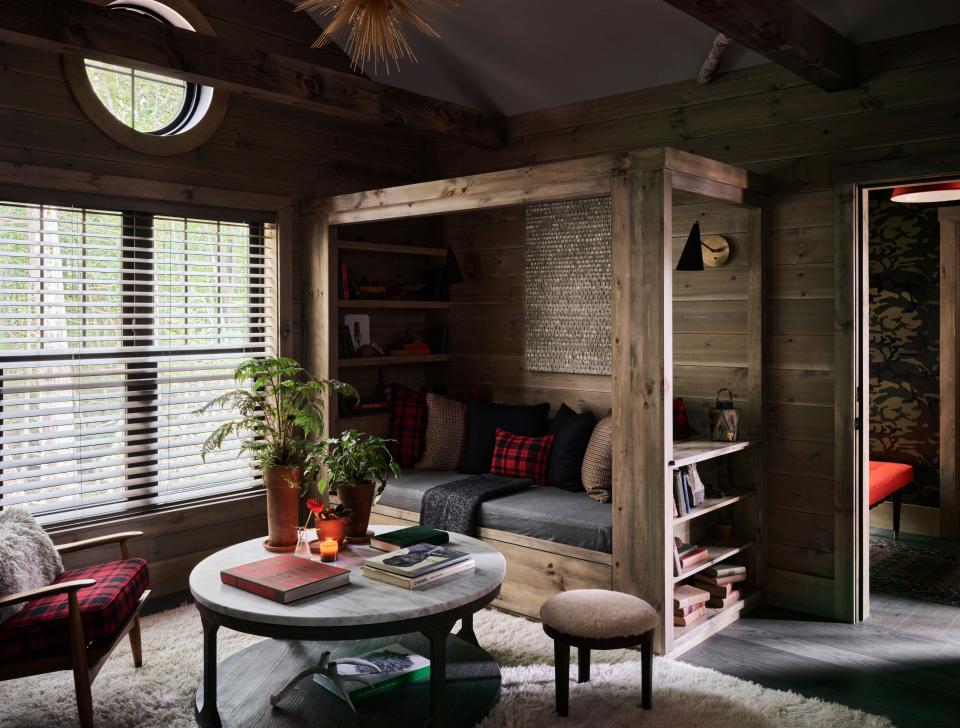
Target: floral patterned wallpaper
[905, 340]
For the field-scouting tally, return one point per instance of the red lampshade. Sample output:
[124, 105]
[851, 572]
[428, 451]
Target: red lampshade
[937, 192]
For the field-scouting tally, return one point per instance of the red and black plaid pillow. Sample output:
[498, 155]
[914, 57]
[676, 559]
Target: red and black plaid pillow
[408, 425]
[516, 456]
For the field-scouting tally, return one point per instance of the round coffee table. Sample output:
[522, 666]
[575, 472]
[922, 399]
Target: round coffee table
[464, 680]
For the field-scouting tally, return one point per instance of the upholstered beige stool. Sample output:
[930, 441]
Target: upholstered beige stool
[597, 619]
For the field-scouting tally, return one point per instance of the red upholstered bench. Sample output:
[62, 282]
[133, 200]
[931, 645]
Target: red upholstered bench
[888, 479]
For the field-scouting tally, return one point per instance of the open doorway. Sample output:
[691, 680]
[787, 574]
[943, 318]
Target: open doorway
[908, 333]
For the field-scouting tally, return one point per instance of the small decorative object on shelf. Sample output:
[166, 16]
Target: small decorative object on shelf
[724, 419]
[328, 550]
[681, 424]
[724, 527]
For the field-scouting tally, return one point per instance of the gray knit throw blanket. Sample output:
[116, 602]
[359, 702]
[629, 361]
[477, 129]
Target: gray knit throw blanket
[28, 558]
[454, 506]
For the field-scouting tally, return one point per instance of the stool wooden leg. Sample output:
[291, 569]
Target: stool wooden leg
[897, 502]
[561, 661]
[646, 660]
[583, 664]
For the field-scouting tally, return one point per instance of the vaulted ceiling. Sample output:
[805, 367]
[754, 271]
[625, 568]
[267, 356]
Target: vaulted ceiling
[513, 56]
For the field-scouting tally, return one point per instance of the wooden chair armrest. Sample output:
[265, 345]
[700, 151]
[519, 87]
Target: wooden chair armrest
[120, 538]
[65, 587]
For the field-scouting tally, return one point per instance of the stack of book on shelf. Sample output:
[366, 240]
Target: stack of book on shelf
[686, 555]
[721, 582]
[688, 490]
[689, 605]
[416, 348]
[418, 565]
[285, 578]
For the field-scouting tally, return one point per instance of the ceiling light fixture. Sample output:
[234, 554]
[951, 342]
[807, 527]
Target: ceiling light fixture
[373, 29]
[937, 192]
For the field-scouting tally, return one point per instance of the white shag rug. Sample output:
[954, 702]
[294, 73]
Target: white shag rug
[161, 693]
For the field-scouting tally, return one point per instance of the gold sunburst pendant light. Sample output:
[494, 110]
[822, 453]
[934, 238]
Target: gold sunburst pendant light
[374, 29]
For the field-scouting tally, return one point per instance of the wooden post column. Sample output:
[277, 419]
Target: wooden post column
[641, 367]
[320, 304]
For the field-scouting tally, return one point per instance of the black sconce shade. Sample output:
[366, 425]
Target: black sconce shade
[692, 256]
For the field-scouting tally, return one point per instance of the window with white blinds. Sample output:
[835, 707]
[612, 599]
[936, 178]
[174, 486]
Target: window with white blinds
[115, 327]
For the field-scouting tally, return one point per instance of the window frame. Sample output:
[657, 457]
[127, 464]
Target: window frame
[263, 248]
[167, 141]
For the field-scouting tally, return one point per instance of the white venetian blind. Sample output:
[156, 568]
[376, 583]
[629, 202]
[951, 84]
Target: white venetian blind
[115, 327]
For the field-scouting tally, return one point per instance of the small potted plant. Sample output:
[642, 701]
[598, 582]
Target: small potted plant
[356, 468]
[280, 413]
[330, 522]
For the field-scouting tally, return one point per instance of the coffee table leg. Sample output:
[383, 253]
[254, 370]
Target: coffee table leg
[466, 632]
[438, 675]
[209, 714]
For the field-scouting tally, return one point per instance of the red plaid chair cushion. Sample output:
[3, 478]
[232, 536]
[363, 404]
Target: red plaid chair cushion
[408, 425]
[516, 456]
[41, 627]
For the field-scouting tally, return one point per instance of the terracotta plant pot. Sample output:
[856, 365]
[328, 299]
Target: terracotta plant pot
[724, 531]
[283, 503]
[359, 499]
[335, 528]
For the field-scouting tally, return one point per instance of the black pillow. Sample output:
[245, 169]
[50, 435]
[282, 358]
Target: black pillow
[571, 434]
[483, 419]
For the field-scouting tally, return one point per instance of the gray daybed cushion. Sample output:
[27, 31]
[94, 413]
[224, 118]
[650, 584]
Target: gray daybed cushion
[547, 513]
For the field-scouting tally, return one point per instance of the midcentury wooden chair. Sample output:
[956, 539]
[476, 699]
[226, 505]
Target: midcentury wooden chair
[597, 619]
[76, 622]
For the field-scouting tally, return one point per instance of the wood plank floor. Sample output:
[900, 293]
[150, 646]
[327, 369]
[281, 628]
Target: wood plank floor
[904, 662]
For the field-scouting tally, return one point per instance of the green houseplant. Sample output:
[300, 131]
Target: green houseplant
[355, 467]
[280, 409]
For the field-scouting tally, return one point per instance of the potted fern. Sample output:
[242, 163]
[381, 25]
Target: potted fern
[355, 467]
[280, 410]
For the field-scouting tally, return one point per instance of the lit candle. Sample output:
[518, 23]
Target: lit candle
[328, 550]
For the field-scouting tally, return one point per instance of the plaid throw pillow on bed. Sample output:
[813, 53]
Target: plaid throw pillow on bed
[515, 456]
[408, 424]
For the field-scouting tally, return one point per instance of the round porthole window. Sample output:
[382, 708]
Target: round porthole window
[149, 112]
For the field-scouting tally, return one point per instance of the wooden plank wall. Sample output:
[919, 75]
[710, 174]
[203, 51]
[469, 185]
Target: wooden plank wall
[766, 120]
[260, 148]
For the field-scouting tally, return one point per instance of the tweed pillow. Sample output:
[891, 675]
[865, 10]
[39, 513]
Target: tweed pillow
[28, 559]
[597, 470]
[446, 425]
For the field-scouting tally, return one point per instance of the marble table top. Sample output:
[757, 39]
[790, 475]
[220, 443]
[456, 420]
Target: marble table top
[364, 602]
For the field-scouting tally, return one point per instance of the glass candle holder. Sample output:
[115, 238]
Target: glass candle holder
[328, 549]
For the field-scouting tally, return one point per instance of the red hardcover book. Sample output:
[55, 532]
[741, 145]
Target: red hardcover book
[684, 595]
[694, 556]
[285, 578]
[722, 580]
[687, 619]
[716, 590]
[345, 281]
[724, 602]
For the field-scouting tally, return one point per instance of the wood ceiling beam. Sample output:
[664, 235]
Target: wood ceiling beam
[72, 27]
[784, 32]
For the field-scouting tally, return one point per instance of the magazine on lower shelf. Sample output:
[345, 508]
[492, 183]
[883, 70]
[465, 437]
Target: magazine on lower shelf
[375, 671]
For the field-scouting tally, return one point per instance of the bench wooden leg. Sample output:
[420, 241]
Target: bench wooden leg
[583, 664]
[646, 664]
[561, 661]
[897, 503]
[135, 648]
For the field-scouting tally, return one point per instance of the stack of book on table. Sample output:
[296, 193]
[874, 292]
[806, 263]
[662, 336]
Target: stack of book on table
[689, 604]
[404, 537]
[721, 582]
[686, 555]
[418, 565]
[285, 578]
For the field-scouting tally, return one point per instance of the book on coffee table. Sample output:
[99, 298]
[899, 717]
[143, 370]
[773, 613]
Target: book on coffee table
[416, 560]
[404, 537]
[408, 582]
[285, 578]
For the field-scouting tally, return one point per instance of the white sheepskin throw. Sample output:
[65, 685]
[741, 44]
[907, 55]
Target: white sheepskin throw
[28, 558]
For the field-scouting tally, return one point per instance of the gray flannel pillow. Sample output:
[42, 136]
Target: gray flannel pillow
[28, 559]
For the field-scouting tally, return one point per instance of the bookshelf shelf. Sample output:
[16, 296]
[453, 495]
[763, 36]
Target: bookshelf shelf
[688, 452]
[685, 638]
[390, 248]
[380, 361]
[713, 504]
[378, 304]
[717, 553]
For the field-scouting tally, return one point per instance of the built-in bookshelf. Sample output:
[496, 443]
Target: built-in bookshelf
[393, 320]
